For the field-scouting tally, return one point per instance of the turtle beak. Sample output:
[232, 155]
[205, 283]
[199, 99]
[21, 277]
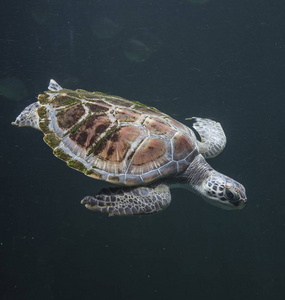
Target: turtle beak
[243, 199]
[240, 204]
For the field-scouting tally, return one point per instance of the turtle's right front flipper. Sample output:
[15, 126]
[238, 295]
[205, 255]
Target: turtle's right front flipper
[130, 200]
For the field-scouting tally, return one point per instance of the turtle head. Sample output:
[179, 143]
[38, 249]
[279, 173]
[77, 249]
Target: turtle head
[214, 187]
[223, 191]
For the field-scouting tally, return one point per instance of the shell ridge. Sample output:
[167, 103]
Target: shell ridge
[132, 152]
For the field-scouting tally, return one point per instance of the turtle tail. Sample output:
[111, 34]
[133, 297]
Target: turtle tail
[28, 117]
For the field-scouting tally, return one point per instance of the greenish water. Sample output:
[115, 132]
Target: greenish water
[218, 59]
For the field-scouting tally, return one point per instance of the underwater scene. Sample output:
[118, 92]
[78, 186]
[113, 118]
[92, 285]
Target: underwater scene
[150, 159]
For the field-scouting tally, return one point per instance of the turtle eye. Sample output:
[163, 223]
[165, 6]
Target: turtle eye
[229, 194]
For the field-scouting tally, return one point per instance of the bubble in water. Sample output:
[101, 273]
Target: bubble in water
[136, 50]
[141, 46]
[105, 28]
[13, 89]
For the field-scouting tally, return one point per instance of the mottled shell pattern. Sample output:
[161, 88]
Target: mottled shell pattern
[114, 139]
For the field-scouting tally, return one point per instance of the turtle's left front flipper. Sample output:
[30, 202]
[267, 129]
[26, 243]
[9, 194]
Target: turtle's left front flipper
[213, 138]
[130, 200]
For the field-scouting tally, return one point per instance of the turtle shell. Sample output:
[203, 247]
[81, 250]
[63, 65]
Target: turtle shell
[114, 139]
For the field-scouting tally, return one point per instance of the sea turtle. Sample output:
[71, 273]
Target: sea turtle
[135, 146]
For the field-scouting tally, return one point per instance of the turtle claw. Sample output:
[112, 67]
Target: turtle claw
[88, 200]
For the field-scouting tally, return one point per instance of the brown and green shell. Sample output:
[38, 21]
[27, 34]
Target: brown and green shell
[110, 138]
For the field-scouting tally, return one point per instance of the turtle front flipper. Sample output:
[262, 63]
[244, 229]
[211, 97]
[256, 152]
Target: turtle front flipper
[213, 139]
[130, 200]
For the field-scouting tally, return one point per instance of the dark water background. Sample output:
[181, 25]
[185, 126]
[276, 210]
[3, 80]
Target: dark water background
[224, 60]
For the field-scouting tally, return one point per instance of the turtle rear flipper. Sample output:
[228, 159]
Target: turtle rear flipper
[213, 138]
[28, 117]
[130, 200]
[54, 86]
